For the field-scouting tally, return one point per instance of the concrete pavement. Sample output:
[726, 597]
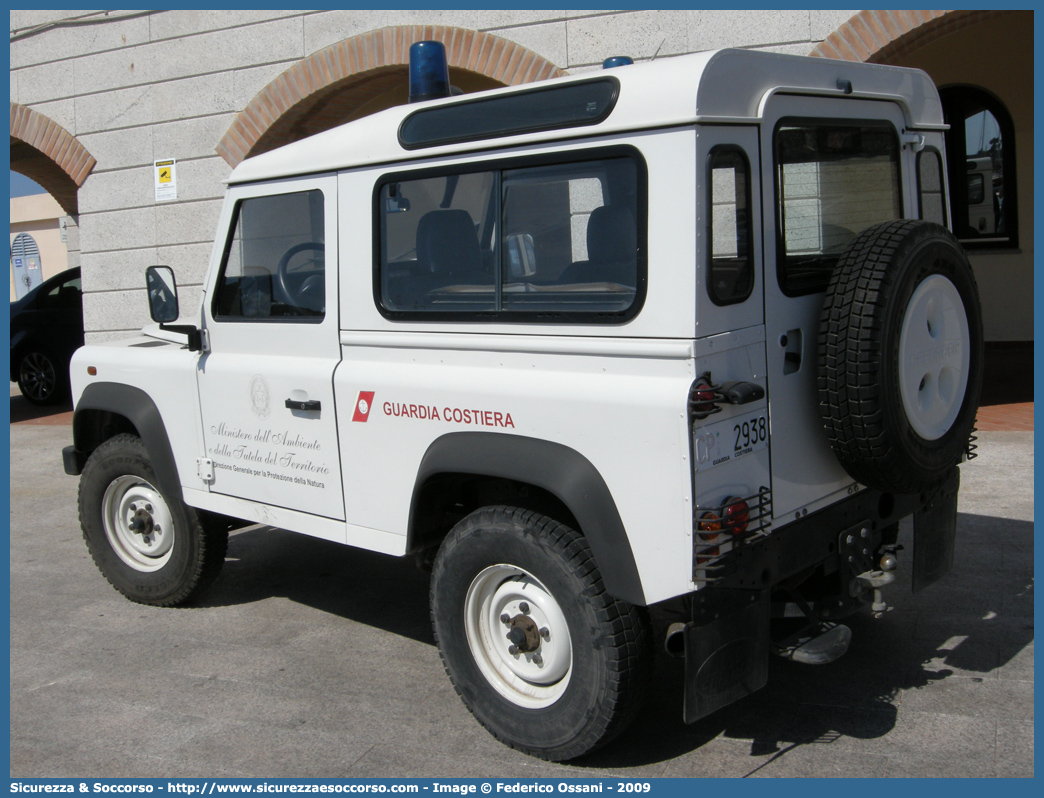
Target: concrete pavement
[310, 659]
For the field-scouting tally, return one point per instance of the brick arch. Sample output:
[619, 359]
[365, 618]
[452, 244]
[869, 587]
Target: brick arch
[878, 37]
[364, 73]
[44, 151]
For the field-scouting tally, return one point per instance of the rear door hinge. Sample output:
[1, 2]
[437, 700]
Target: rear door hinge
[914, 140]
[205, 466]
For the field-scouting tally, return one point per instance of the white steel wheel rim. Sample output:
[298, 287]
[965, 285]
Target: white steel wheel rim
[532, 679]
[138, 523]
[934, 355]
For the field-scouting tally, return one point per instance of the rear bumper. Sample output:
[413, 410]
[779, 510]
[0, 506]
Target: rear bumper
[727, 643]
[765, 562]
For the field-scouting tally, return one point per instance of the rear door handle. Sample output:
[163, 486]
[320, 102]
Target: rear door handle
[310, 404]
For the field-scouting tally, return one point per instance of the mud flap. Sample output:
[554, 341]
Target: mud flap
[935, 533]
[727, 658]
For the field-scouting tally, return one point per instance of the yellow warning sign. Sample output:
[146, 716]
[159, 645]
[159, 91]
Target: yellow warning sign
[166, 180]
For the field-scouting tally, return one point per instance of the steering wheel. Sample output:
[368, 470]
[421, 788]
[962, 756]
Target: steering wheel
[311, 293]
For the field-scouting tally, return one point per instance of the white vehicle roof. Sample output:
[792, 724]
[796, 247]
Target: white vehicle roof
[729, 86]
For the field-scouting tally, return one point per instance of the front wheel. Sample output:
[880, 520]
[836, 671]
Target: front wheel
[151, 547]
[40, 380]
[543, 657]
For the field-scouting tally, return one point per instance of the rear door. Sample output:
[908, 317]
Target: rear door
[832, 168]
[266, 385]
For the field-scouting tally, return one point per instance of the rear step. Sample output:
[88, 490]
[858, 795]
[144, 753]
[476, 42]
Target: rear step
[816, 644]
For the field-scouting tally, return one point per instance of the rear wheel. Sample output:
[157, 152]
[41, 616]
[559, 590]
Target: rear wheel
[900, 356]
[151, 547]
[543, 657]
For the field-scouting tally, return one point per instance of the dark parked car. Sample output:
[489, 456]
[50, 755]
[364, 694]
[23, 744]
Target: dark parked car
[46, 328]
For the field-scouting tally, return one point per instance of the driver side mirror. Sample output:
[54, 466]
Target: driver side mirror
[163, 293]
[163, 306]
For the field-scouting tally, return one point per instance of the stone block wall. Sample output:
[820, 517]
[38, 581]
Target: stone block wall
[134, 87]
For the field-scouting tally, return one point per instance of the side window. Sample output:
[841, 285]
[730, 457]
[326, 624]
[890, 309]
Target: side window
[571, 237]
[932, 204]
[731, 273]
[981, 148]
[833, 180]
[438, 240]
[274, 264]
[525, 242]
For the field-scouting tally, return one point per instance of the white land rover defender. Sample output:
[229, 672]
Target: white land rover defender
[689, 331]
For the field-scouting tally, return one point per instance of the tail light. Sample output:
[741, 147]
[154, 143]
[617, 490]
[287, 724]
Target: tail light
[709, 530]
[702, 398]
[733, 520]
[737, 515]
[720, 531]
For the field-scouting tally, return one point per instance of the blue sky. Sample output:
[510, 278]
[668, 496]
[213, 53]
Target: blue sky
[22, 186]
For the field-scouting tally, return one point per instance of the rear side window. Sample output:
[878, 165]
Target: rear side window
[522, 241]
[275, 264]
[731, 274]
[833, 180]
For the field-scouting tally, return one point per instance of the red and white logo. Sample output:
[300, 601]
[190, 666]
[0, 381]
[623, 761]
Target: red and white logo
[363, 403]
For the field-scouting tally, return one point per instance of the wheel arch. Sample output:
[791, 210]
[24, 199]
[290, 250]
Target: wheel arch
[561, 476]
[107, 409]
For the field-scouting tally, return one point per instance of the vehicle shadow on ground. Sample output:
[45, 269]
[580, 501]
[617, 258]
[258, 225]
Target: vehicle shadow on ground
[262, 562]
[23, 410]
[986, 603]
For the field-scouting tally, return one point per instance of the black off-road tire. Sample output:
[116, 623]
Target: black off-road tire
[517, 557]
[903, 278]
[118, 488]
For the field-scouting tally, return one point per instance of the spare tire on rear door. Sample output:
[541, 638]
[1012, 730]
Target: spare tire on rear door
[900, 356]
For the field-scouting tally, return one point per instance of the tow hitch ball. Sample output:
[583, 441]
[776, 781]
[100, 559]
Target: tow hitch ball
[876, 579]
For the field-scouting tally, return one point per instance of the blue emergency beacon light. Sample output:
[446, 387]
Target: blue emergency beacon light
[616, 61]
[429, 74]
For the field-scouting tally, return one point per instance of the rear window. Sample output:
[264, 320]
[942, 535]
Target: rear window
[528, 240]
[833, 180]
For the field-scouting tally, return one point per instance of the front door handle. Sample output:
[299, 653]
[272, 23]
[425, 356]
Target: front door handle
[310, 404]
